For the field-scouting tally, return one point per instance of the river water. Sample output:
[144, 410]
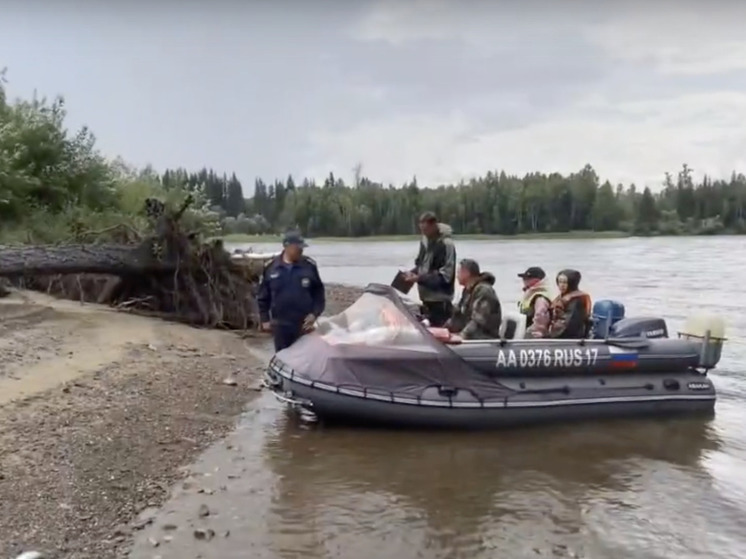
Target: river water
[633, 489]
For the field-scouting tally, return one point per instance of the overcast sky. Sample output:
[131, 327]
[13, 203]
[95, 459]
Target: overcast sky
[438, 89]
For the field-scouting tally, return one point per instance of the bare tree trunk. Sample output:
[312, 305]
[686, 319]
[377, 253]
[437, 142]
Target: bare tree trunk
[78, 259]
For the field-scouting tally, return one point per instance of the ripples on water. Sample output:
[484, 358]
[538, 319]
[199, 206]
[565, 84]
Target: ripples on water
[631, 489]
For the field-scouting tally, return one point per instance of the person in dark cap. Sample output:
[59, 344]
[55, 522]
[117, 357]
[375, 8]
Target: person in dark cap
[291, 293]
[435, 269]
[536, 302]
[478, 314]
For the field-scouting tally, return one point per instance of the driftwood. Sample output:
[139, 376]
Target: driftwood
[169, 274]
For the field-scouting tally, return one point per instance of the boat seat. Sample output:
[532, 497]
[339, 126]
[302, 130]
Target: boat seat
[508, 328]
[513, 326]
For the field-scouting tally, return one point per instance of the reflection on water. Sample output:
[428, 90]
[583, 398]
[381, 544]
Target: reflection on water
[452, 494]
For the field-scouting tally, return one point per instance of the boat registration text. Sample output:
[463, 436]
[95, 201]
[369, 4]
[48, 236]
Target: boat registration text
[545, 357]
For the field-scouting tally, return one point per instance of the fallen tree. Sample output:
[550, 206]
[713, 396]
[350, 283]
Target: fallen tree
[169, 274]
[77, 259]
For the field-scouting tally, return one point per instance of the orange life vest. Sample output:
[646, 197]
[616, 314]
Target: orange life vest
[578, 295]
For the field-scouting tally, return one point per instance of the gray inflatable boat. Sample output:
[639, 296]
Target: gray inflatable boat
[375, 364]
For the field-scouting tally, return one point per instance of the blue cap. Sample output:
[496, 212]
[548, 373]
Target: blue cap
[293, 238]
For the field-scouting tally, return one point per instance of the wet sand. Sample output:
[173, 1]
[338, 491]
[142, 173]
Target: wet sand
[99, 409]
[99, 412]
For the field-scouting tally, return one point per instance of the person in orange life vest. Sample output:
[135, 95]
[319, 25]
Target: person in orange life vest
[571, 309]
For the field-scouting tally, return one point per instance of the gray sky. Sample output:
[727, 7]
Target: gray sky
[439, 89]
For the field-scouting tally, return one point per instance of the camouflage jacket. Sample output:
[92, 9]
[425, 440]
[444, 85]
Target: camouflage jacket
[478, 314]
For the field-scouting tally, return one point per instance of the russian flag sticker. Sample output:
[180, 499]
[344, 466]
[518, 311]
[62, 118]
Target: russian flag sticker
[622, 358]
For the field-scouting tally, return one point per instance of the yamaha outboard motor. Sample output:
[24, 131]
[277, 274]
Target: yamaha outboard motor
[605, 314]
[640, 327]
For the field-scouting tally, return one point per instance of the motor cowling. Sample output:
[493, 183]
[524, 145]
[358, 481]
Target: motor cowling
[639, 327]
[605, 314]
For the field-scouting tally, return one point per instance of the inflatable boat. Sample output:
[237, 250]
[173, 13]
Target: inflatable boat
[376, 364]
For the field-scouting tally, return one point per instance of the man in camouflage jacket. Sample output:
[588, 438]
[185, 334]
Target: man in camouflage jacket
[478, 314]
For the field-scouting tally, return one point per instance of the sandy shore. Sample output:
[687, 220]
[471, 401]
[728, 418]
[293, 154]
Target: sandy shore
[99, 411]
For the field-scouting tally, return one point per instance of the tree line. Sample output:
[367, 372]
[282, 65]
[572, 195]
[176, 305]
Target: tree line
[498, 204]
[55, 183]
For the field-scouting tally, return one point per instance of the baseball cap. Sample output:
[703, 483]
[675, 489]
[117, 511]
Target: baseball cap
[293, 238]
[534, 272]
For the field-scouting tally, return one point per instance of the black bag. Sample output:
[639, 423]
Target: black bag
[400, 284]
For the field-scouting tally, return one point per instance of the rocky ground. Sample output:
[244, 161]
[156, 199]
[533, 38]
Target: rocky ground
[99, 411]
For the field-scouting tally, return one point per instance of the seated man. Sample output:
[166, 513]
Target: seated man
[478, 314]
[571, 309]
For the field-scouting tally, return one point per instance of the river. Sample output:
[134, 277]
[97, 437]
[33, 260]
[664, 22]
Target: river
[633, 489]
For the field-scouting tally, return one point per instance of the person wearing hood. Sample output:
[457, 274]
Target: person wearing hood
[536, 302]
[571, 309]
[478, 314]
[435, 269]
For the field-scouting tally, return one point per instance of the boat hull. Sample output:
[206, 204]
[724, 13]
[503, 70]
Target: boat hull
[539, 401]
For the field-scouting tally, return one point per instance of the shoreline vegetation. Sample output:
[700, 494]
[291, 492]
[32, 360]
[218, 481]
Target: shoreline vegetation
[56, 187]
[242, 238]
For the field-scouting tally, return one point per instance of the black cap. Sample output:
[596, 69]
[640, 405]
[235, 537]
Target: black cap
[293, 238]
[472, 266]
[534, 272]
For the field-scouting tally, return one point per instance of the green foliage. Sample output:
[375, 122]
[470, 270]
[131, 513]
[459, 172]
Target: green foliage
[498, 204]
[55, 185]
[42, 166]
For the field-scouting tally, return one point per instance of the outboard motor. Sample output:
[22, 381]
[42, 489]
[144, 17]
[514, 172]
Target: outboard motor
[639, 327]
[605, 314]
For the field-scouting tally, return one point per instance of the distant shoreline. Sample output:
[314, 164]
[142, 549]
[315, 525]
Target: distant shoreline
[579, 235]
[242, 238]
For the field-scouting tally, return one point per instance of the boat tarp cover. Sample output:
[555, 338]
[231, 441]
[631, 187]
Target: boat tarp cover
[376, 344]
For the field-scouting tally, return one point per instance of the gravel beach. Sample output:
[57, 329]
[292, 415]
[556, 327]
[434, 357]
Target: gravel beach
[101, 410]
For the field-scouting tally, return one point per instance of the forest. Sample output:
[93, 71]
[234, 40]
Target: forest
[495, 204]
[56, 185]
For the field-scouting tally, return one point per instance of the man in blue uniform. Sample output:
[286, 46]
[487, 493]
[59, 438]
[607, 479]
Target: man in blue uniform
[291, 293]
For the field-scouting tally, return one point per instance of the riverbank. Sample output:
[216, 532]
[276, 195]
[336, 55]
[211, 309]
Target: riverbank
[99, 412]
[241, 238]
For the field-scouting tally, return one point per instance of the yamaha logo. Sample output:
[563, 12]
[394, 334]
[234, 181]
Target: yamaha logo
[698, 386]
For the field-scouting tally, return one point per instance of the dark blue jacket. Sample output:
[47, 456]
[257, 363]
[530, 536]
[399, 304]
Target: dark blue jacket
[290, 292]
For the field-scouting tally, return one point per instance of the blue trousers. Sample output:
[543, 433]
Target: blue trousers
[285, 335]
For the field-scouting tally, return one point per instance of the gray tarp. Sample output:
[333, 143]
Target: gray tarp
[376, 344]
